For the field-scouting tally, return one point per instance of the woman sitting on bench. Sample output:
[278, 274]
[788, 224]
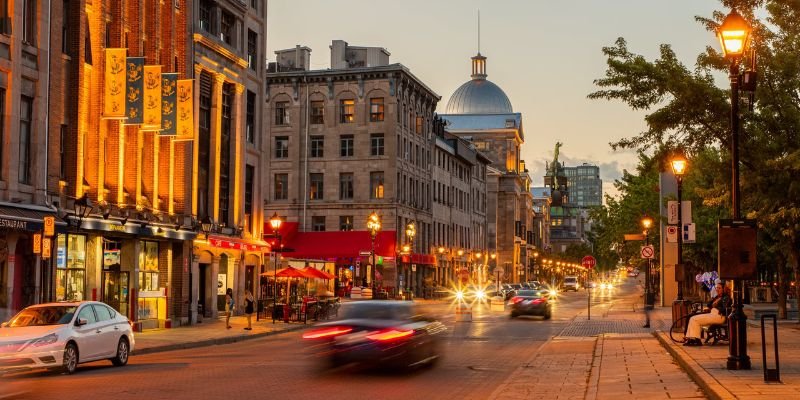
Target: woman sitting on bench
[718, 310]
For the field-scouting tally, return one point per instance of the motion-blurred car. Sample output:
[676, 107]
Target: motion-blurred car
[473, 294]
[381, 333]
[530, 302]
[507, 291]
[63, 335]
[571, 283]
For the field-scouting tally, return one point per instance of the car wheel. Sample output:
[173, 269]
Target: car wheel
[123, 352]
[70, 362]
[548, 314]
[513, 315]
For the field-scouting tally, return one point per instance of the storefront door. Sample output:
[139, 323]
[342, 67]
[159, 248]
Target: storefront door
[115, 290]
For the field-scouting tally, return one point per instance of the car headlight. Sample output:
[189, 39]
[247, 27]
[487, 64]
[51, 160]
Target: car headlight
[45, 340]
[480, 294]
[460, 295]
[610, 286]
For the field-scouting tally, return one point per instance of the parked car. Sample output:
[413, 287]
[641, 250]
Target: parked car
[571, 283]
[380, 333]
[507, 291]
[63, 335]
[530, 302]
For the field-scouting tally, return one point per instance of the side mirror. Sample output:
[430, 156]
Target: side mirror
[81, 322]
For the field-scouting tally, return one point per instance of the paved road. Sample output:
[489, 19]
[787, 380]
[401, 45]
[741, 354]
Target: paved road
[479, 357]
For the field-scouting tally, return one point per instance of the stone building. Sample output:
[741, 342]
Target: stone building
[479, 111]
[345, 142]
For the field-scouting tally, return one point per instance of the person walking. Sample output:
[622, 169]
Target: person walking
[229, 307]
[718, 309]
[249, 303]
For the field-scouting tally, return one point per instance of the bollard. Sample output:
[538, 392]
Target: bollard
[463, 313]
[770, 374]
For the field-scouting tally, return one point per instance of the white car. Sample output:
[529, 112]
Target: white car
[63, 335]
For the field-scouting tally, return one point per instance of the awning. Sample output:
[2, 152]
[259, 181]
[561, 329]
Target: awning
[226, 242]
[425, 259]
[340, 244]
[27, 218]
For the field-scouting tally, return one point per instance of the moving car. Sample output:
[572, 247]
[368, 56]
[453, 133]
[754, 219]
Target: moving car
[474, 294]
[63, 335]
[380, 333]
[507, 291]
[571, 283]
[530, 302]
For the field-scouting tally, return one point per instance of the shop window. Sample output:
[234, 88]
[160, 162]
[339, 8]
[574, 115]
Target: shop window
[70, 268]
[148, 267]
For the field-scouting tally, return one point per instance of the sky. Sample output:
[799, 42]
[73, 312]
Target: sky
[543, 54]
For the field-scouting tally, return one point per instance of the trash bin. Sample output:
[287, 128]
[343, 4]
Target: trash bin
[680, 308]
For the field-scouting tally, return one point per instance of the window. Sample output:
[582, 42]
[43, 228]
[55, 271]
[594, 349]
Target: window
[318, 223]
[376, 185]
[29, 25]
[5, 17]
[62, 156]
[204, 146]
[317, 146]
[227, 27]
[2, 127]
[282, 147]
[418, 128]
[250, 118]
[345, 186]
[346, 223]
[252, 50]
[282, 113]
[346, 142]
[206, 16]
[225, 165]
[148, 266]
[87, 313]
[376, 109]
[254, 4]
[347, 111]
[65, 32]
[316, 189]
[71, 271]
[249, 174]
[25, 136]
[317, 112]
[103, 313]
[376, 144]
[281, 187]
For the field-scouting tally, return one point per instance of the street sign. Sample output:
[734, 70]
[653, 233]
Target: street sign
[689, 233]
[37, 243]
[672, 212]
[588, 262]
[672, 234]
[633, 237]
[648, 251]
[366, 253]
[49, 226]
[46, 248]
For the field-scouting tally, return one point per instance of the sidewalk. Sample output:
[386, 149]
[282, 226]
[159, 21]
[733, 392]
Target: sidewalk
[208, 333]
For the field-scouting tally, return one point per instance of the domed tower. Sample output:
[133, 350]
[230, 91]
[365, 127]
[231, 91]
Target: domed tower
[479, 95]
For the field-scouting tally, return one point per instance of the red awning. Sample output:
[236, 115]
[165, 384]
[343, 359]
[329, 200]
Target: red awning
[343, 244]
[225, 242]
[415, 258]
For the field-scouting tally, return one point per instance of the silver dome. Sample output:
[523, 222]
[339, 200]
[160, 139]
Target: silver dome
[478, 96]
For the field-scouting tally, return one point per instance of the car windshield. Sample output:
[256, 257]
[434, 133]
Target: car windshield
[375, 311]
[38, 316]
[529, 293]
[570, 280]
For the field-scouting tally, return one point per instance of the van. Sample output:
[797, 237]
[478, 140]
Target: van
[571, 283]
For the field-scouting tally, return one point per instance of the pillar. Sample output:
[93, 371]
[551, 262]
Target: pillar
[212, 302]
[194, 296]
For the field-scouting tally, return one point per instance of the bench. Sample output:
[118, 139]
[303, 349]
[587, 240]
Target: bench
[716, 333]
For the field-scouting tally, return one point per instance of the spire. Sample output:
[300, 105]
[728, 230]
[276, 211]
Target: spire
[479, 31]
[479, 61]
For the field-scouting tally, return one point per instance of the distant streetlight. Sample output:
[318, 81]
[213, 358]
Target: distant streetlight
[374, 225]
[649, 299]
[734, 35]
[275, 222]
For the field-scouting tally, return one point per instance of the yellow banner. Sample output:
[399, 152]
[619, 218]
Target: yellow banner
[152, 98]
[185, 123]
[114, 90]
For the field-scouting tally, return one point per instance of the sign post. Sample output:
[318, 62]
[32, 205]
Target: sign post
[589, 262]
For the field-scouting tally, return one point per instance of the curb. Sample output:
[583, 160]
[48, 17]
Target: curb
[712, 388]
[213, 342]
[594, 375]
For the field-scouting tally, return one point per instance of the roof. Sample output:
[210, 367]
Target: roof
[479, 96]
[540, 191]
[457, 122]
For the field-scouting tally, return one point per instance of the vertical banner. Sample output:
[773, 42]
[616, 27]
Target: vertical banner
[169, 97]
[152, 98]
[134, 104]
[185, 117]
[114, 90]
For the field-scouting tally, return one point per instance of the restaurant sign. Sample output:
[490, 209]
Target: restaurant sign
[19, 225]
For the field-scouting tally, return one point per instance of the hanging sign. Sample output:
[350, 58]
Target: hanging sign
[114, 99]
[152, 98]
[185, 116]
[49, 226]
[169, 82]
[37, 243]
[46, 250]
[134, 105]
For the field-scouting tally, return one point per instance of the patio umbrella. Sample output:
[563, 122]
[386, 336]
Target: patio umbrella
[316, 273]
[290, 272]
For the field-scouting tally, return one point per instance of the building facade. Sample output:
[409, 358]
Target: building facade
[229, 66]
[584, 185]
[479, 111]
[341, 144]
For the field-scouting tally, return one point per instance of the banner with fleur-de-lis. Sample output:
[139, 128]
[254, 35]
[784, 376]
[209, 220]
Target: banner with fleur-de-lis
[185, 116]
[134, 98]
[169, 96]
[152, 98]
[114, 84]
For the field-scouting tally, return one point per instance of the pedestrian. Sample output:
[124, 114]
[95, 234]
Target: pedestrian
[718, 309]
[229, 307]
[249, 302]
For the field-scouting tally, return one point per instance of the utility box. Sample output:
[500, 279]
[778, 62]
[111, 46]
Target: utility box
[737, 249]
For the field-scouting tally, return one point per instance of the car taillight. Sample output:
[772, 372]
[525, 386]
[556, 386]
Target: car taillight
[516, 299]
[391, 334]
[327, 332]
[539, 301]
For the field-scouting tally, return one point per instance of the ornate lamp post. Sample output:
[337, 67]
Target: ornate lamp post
[83, 207]
[679, 165]
[411, 231]
[734, 35]
[647, 222]
[442, 268]
[535, 256]
[374, 225]
[275, 222]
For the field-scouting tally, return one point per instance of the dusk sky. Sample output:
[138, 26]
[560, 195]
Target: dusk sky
[543, 54]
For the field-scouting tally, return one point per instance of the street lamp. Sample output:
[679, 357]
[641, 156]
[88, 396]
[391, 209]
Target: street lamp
[83, 207]
[374, 225]
[734, 34]
[411, 231]
[442, 269]
[275, 222]
[649, 299]
[206, 224]
[535, 274]
[679, 164]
